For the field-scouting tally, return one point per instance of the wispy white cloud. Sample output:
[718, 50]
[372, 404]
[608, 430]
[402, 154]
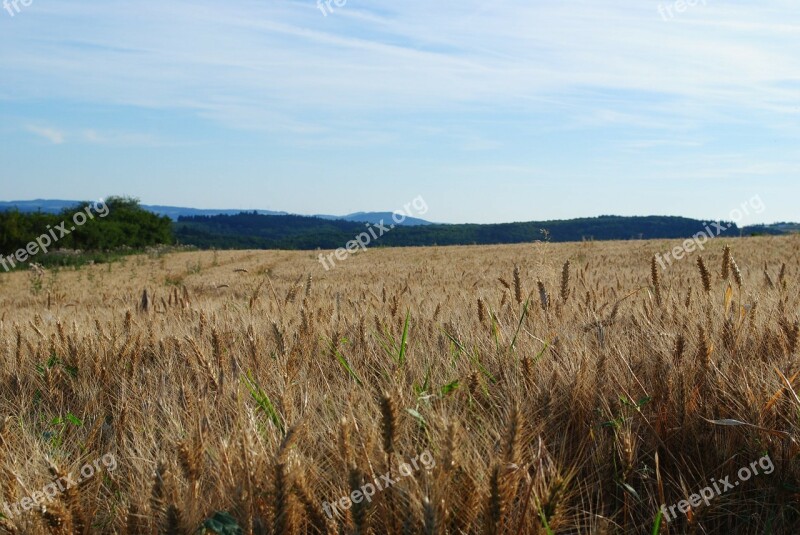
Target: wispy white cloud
[647, 144]
[92, 136]
[236, 60]
[118, 138]
[52, 135]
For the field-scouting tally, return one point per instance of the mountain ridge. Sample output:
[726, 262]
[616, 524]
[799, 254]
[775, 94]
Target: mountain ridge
[53, 206]
[177, 214]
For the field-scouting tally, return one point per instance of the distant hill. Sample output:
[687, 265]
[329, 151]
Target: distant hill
[264, 229]
[47, 206]
[376, 217]
[773, 229]
[175, 212]
[245, 231]
[55, 206]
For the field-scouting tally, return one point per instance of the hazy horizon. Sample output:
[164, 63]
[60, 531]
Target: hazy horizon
[750, 212]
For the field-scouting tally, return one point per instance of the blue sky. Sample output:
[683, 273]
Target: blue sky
[505, 110]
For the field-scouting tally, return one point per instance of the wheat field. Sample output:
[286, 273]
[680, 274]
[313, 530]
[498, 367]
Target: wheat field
[549, 388]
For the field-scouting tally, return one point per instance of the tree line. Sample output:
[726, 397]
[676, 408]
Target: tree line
[254, 231]
[127, 227]
[112, 225]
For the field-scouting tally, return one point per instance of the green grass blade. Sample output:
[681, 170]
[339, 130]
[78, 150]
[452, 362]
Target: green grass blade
[519, 325]
[401, 357]
[541, 353]
[346, 365]
[546, 524]
[264, 402]
[449, 387]
[386, 343]
[657, 524]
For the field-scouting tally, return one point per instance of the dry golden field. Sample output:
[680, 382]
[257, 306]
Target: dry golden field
[258, 384]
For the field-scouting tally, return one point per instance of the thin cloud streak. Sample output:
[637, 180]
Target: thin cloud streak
[417, 57]
[52, 135]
